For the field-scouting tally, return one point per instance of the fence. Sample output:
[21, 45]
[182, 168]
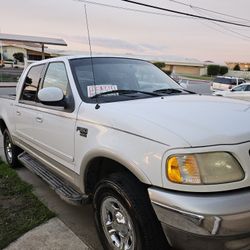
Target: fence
[240, 74]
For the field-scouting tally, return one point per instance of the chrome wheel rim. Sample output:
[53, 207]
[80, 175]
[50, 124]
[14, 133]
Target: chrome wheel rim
[117, 225]
[8, 149]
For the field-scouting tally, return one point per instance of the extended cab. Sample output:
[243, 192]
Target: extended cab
[163, 167]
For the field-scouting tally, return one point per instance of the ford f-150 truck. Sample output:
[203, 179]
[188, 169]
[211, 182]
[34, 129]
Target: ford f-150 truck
[163, 167]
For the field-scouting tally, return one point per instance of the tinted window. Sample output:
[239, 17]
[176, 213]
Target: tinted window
[225, 80]
[56, 76]
[240, 81]
[31, 83]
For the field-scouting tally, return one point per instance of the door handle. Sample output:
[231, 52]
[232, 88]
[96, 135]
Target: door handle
[39, 119]
[18, 113]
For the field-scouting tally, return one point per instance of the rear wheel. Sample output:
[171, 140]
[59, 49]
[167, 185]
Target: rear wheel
[124, 216]
[11, 151]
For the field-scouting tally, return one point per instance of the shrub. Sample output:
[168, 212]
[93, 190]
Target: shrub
[19, 56]
[237, 67]
[168, 72]
[223, 70]
[159, 65]
[213, 70]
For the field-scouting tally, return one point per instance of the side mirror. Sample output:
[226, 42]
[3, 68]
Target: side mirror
[51, 96]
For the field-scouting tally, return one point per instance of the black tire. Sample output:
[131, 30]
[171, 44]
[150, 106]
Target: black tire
[11, 157]
[133, 196]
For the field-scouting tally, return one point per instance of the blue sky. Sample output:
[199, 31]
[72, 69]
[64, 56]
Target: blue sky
[119, 31]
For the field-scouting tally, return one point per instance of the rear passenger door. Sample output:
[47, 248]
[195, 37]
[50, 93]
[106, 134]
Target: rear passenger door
[25, 109]
[54, 126]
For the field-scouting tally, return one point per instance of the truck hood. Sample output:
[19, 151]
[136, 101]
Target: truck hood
[183, 120]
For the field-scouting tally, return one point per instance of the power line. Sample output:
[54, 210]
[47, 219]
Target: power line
[208, 10]
[234, 32]
[239, 35]
[185, 13]
[129, 9]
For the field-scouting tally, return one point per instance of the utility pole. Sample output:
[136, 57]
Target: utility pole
[43, 54]
[1, 51]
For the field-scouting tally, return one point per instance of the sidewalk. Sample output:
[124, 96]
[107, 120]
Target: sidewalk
[52, 235]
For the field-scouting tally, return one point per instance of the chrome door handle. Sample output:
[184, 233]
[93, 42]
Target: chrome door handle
[18, 113]
[39, 119]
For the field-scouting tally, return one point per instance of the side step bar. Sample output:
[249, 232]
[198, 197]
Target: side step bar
[66, 192]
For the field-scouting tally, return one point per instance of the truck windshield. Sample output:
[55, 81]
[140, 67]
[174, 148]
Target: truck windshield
[121, 78]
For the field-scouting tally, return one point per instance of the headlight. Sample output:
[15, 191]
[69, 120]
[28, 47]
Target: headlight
[203, 168]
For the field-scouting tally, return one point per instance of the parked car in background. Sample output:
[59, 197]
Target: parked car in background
[241, 92]
[175, 77]
[225, 82]
[183, 83]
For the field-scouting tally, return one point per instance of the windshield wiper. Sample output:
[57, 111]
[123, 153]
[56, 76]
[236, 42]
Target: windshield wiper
[125, 92]
[170, 91]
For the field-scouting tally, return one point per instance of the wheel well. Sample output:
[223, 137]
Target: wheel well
[2, 125]
[100, 168]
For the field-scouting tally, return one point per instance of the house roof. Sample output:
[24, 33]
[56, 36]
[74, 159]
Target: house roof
[32, 39]
[176, 60]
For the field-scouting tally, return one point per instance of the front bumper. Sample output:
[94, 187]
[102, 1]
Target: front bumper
[218, 221]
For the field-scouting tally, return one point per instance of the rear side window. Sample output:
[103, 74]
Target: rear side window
[31, 83]
[56, 76]
[240, 81]
[225, 80]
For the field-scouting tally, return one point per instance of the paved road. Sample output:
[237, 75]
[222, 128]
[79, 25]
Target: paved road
[7, 91]
[200, 87]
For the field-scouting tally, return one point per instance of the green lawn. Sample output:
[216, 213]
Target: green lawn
[8, 78]
[20, 210]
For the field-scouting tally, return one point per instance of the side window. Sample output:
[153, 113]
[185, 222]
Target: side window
[240, 88]
[56, 76]
[31, 83]
[248, 88]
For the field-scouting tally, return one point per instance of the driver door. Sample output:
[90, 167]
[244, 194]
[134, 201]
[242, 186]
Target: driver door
[54, 126]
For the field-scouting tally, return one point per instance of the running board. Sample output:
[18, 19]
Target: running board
[66, 192]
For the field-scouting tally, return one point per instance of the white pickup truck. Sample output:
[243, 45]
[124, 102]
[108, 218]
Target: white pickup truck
[162, 166]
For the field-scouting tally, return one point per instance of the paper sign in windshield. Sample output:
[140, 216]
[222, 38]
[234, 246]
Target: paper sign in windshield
[98, 89]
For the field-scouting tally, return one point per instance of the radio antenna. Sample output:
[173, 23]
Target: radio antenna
[91, 55]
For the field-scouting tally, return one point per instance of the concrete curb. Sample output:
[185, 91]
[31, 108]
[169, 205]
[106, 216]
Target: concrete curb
[52, 235]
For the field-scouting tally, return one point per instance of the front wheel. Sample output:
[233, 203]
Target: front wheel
[124, 216]
[11, 151]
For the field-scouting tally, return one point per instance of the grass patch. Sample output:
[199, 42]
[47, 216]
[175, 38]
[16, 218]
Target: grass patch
[8, 78]
[20, 209]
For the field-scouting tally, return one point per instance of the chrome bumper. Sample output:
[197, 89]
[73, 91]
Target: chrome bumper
[220, 221]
